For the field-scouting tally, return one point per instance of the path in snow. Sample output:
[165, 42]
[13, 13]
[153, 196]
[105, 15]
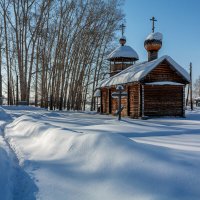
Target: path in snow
[15, 183]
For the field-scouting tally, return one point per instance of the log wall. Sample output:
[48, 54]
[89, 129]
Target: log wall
[164, 72]
[114, 103]
[134, 100]
[163, 100]
[131, 105]
[105, 100]
[117, 67]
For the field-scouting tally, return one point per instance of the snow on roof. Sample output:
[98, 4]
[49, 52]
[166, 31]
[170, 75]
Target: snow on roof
[139, 70]
[123, 51]
[155, 36]
[164, 83]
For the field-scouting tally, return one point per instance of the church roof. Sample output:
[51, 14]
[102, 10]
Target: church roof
[138, 71]
[123, 52]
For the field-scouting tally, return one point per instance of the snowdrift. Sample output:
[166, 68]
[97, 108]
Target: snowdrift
[68, 164]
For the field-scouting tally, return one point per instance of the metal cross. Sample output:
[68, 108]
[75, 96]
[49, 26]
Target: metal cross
[119, 94]
[122, 27]
[153, 19]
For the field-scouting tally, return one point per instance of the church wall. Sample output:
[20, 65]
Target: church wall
[159, 100]
[105, 100]
[124, 104]
[134, 100]
[114, 103]
[117, 67]
[166, 100]
[164, 72]
[131, 104]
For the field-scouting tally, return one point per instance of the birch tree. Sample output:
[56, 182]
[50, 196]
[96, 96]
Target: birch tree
[57, 49]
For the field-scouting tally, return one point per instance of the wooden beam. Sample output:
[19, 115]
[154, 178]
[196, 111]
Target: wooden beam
[109, 101]
[128, 101]
[101, 109]
[191, 101]
[142, 100]
[183, 101]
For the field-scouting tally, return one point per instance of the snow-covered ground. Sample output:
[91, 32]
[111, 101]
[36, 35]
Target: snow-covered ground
[86, 156]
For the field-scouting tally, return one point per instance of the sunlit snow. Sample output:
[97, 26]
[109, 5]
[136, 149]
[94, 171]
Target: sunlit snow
[86, 156]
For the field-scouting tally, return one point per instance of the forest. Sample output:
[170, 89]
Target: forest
[53, 52]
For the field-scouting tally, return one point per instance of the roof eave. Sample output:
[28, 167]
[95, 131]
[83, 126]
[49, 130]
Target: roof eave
[129, 58]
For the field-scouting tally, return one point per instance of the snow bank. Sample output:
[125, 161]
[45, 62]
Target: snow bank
[68, 164]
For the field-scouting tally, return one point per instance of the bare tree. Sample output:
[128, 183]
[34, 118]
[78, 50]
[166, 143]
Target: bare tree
[197, 87]
[57, 49]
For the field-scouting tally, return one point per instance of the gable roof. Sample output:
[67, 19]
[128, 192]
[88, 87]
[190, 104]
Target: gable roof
[138, 71]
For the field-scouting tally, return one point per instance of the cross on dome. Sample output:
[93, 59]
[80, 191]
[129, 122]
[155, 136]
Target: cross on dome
[153, 19]
[122, 27]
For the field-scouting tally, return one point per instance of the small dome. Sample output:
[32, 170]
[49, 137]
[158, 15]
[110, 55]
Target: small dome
[153, 41]
[123, 37]
[123, 52]
[122, 40]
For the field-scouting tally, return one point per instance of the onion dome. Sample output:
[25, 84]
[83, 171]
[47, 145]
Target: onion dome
[124, 52]
[153, 41]
[122, 40]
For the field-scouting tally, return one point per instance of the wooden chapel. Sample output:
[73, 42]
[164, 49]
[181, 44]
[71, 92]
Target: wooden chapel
[155, 87]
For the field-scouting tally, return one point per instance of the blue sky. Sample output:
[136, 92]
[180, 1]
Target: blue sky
[178, 21]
